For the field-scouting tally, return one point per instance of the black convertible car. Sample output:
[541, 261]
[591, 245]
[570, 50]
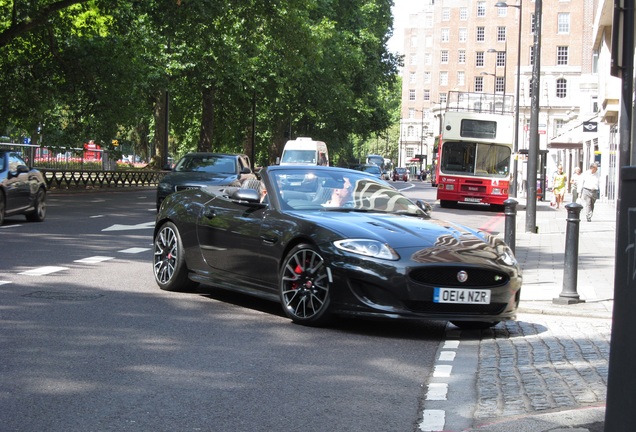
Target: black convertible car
[22, 189]
[327, 241]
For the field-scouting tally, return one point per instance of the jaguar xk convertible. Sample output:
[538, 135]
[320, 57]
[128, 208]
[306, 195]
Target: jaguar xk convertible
[326, 242]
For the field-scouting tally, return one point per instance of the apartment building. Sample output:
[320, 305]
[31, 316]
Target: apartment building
[483, 46]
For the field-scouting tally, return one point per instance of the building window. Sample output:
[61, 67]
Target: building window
[427, 77]
[561, 88]
[411, 113]
[531, 59]
[558, 126]
[413, 41]
[428, 59]
[500, 84]
[445, 35]
[562, 55]
[481, 8]
[444, 56]
[532, 24]
[501, 59]
[427, 95]
[442, 98]
[481, 34]
[463, 13]
[479, 84]
[428, 21]
[412, 77]
[463, 34]
[563, 23]
[502, 11]
[461, 56]
[410, 131]
[443, 78]
[411, 95]
[479, 59]
[446, 13]
[413, 60]
[410, 152]
[461, 78]
[501, 34]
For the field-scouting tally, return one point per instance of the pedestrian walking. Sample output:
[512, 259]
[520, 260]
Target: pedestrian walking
[589, 190]
[575, 184]
[558, 186]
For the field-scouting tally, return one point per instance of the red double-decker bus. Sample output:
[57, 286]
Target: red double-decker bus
[475, 149]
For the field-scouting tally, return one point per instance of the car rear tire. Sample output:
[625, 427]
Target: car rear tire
[474, 325]
[39, 207]
[3, 206]
[170, 269]
[304, 287]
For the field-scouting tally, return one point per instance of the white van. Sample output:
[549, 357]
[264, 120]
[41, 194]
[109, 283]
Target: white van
[305, 151]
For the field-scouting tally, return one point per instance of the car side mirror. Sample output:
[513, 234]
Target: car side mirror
[246, 170]
[247, 196]
[425, 207]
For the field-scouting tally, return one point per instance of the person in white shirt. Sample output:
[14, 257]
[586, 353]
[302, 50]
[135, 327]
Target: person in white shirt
[589, 190]
[576, 184]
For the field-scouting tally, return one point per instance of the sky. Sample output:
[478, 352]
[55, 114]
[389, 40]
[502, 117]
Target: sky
[401, 10]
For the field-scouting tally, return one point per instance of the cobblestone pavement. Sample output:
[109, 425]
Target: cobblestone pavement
[541, 363]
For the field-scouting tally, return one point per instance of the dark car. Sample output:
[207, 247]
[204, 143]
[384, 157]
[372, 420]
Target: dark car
[331, 241]
[196, 170]
[22, 189]
[401, 174]
[372, 169]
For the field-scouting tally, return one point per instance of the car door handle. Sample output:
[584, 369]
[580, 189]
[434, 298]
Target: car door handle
[209, 214]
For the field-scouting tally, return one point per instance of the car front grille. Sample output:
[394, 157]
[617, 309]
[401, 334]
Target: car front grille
[447, 276]
[182, 188]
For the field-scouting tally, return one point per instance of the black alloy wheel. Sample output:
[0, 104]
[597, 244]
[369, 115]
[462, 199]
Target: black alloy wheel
[170, 269]
[304, 286]
[39, 207]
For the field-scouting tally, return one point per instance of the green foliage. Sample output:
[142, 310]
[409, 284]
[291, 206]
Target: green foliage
[268, 70]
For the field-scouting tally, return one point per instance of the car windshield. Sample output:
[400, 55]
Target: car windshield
[208, 164]
[342, 190]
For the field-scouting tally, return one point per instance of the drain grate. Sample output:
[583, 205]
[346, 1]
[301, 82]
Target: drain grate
[63, 295]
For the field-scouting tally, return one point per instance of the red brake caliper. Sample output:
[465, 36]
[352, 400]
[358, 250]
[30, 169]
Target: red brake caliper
[298, 270]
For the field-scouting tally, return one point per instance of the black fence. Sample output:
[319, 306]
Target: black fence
[62, 179]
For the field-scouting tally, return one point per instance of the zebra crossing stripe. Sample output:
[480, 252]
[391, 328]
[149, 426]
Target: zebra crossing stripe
[41, 271]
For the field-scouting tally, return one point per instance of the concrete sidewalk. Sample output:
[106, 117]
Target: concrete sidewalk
[570, 354]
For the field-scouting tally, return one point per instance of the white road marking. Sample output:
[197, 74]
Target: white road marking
[4, 282]
[93, 259]
[447, 356]
[437, 391]
[134, 250]
[433, 420]
[41, 271]
[451, 344]
[442, 371]
[118, 227]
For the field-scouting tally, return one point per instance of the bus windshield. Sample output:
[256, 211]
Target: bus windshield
[476, 159]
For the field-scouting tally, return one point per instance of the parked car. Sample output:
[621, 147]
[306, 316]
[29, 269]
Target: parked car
[401, 174]
[372, 169]
[332, 241]
[196, 170]
[22, 189]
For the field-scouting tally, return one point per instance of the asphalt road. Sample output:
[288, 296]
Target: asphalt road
[89, 343]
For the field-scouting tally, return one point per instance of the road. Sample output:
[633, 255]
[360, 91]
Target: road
[89, 343]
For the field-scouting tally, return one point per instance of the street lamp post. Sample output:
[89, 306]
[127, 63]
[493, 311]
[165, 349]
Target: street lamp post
[515, 150]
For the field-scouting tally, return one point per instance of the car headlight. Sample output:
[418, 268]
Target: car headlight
[506, 255]
[370, 248]
[496, 191]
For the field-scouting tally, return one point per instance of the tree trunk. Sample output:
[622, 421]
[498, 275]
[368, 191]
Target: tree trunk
[207, 121]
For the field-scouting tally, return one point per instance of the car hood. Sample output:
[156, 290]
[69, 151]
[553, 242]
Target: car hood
[178, 178]
[425, 240]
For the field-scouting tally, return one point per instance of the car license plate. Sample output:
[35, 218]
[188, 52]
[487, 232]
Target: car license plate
[475, 200]
[460, 295]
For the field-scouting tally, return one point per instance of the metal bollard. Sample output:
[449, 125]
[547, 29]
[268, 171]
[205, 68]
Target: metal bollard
[510, 210]
[569, 295]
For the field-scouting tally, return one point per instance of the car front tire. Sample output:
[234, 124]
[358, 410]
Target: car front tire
[304, 287]
[170, 269]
